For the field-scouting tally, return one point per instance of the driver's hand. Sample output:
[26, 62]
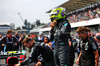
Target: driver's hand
[17, 64]
[53, 24]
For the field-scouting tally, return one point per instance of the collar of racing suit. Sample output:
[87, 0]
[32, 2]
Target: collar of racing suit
[60, 22]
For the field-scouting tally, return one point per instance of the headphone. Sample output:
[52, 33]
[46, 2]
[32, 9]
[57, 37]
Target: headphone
[98, 37]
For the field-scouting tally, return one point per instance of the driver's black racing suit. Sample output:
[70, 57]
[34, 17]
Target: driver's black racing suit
[61, 34]
[47, 55]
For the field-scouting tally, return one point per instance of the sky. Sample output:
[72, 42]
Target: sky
[28, 9]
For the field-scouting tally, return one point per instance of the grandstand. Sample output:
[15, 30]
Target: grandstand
[4, 28]
[36, 29]
[22, 31]
[73, 5]
[83, 13]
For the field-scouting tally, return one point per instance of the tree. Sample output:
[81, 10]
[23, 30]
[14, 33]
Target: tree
[23, 27]
[18, 28]
[43, 24]
[25, 22]
[28, 24]
[38, 22]
[32, 26]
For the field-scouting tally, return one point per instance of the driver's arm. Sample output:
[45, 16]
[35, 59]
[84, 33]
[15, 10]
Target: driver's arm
[32, 57]
[52, 35]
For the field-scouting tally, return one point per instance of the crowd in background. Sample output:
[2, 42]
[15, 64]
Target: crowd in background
[40, 38]
[85, 14]
[21, 37]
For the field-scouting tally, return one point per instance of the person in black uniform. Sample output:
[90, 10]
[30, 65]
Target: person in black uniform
[97, 39]
[88, 49]
[22, 47]
[72, 52]
[37, 49]
[60, 33]
[9, 41]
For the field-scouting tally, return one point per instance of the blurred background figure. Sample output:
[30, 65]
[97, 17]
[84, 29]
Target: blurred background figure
[1, 36]
[22, 37]
[0, 43]
[47, 42]
[17, 35]
[40, 38]
[35, 38]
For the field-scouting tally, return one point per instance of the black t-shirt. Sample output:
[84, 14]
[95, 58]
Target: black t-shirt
[87, 48]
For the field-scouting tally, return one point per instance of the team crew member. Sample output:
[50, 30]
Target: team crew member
[37, 49]
[97, 38]
[60, 33]
[89, 53]
[93, 38]
[9, 41]
[72, 54]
